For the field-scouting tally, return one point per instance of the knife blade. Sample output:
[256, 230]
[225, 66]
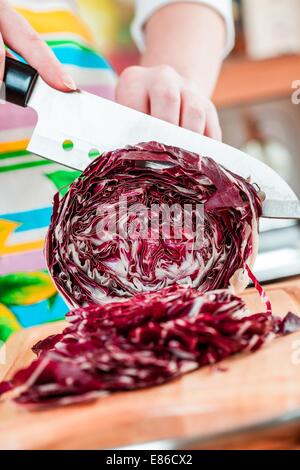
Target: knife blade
[94, 124]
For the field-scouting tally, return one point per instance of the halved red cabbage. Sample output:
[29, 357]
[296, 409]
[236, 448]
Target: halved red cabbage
[91, 268]
[143, 341]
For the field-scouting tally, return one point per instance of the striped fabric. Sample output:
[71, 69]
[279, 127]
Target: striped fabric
[28, 183]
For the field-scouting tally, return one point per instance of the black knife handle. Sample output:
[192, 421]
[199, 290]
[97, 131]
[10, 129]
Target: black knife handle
[19, 81]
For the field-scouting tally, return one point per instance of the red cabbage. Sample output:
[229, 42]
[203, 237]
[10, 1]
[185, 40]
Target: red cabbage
[146, 340]
[290, 324]
[5, 387]
[165, 318]
[89, 265]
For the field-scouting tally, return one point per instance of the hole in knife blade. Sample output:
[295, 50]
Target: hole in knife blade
[94, 153]
[68, 145]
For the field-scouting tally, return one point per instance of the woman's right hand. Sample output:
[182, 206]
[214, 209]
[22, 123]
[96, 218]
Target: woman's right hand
[17, 34]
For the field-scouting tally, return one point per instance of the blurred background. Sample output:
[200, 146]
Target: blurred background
[253, 96]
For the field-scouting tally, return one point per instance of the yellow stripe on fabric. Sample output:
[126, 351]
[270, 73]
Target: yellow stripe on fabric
[22, 247]
[13, 146]
[56, 21]
[7, 316]
[8, 323]
[7, 227]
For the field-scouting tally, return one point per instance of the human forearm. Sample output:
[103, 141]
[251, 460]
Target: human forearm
[190, 38]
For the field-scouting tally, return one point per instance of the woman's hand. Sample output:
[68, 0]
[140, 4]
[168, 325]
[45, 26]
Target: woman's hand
[163, 93]
[189, 37]
[16, 33]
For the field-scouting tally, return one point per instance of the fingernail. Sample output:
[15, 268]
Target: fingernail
[69, 83]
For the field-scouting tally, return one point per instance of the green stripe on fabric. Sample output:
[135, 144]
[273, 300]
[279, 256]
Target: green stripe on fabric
[22, 166]
[16, 153]
[64, 42]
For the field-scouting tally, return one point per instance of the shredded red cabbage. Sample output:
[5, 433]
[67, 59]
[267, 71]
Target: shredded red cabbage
[144, 341]
[165, 318]
[89, 266]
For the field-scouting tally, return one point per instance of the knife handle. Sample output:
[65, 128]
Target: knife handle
[19, 81]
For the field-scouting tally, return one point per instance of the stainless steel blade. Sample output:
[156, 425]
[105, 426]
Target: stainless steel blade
[91, 122]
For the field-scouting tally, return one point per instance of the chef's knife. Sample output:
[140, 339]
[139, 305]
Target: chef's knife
[90, 124]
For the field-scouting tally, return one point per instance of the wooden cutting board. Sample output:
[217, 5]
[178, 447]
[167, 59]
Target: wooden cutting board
[254, 387]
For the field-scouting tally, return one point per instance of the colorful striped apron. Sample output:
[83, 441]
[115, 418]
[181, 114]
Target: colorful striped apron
[28, 182]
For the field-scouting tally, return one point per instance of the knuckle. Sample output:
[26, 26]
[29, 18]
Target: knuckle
[3, 4]
[211, 107]
[169, 96]
[131, 73]
[191, 87]
[32, 36]
[196, 111]
[166, 72]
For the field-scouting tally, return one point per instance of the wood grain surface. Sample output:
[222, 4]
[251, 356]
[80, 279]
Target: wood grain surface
[254, 387]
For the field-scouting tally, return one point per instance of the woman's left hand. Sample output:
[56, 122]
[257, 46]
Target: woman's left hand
[163, 93]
